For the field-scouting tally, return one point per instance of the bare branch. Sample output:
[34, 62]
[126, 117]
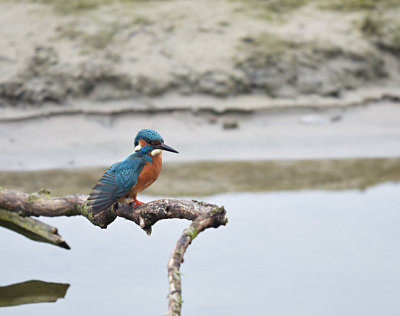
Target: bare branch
[214, 218]
[148, 214]
[41, 204]
[202, 215]
[32, 229]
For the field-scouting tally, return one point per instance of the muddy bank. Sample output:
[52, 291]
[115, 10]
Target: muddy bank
[201, 105]
[205, 178]
[104, 51]
[90, 140]
[306, 133]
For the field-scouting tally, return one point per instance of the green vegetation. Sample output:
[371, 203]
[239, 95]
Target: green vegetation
[79, 6]
[105, 34]
[263, 50]
[84, 210]
[177, 274]
[271, 62]
[275, 6]
[268, 50]
[356, 5]
[76, 6]
[72, 6]
[383, 31]
[284, 6]
[191, 232]
[268, 8]
[271, 9]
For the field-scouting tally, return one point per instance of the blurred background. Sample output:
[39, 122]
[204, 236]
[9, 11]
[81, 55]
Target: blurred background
[286, 112]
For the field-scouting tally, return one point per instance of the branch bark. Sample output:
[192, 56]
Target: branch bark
[202, 215]
[213, 218]
[32, 229]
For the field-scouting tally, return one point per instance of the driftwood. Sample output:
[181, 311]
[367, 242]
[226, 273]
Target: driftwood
[202, 215]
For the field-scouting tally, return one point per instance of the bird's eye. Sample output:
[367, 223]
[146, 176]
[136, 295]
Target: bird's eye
[155, 142]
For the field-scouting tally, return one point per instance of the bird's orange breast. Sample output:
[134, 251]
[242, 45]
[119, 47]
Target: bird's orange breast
[147, 176]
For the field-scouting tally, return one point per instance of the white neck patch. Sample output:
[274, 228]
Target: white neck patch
[156, 152]
[138, 147]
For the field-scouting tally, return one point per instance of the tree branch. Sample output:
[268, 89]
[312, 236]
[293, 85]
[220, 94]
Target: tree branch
[213, 218]
[202, 215]
[32, 229]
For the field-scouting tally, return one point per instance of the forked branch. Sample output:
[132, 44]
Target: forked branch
[202, 215]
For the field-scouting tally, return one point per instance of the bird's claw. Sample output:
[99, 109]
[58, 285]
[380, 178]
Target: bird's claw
[135, 203]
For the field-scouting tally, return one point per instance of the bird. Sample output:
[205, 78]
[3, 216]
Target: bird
[125, 179]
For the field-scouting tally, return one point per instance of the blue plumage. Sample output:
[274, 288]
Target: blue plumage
[122, 176]
[148, 135]
[116, 182]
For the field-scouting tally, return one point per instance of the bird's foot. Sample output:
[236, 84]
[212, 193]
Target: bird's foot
[136, 202]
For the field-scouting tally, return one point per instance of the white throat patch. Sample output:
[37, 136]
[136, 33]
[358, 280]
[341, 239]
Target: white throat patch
[156, 152]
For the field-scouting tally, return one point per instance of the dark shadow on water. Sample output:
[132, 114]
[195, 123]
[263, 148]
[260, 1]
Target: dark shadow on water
[32, 291]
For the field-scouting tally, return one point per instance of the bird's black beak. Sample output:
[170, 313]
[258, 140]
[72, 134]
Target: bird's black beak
[166, 147]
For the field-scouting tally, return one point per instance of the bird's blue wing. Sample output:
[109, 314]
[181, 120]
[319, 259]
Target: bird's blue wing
[114, 184]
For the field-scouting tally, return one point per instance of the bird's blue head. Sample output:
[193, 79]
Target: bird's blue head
[148, 140]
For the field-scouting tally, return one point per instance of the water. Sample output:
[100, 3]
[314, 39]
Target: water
[282, 253]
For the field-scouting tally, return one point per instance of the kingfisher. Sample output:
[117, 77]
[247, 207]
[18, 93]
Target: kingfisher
[126, 178]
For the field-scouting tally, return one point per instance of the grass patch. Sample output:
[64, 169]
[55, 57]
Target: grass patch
[280, 6]
[275, 6]
[77, 6]
[271, 10]
[382, 31]
[103, 34]
[356, 5]
[71, 6]
[263, 49]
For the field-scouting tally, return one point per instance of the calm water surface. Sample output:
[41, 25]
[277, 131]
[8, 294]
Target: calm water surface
[282, 253]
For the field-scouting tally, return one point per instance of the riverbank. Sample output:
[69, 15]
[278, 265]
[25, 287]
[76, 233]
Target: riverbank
[57, 52]
[170, 103]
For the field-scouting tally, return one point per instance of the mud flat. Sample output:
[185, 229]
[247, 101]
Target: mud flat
[89, 140]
